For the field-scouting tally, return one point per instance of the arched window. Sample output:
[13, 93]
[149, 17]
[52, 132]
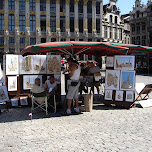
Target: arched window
[116, 20]
[110, 19]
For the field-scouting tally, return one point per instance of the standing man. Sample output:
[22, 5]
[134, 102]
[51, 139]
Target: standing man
[73, 89]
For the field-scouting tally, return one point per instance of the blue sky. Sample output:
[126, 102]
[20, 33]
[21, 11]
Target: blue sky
[125, 5]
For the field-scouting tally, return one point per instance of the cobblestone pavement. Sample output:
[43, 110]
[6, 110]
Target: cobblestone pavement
[105, 129]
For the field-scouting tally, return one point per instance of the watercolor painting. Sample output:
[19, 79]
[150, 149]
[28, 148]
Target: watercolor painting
[12, 83]
[124, 62]
[119, 96]
[108, 94]
[130, 96]
[12, 65]
[127, 81]
[109, 61]
[112, 79]
[3, 94]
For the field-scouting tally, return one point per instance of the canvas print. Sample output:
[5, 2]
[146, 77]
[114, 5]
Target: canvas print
[109, 61]
[29, 80]
[130, 96]
[12, 83]
[124, 62]
[12, 67]
[57, 78]
[26, 65]
[108, 94]
[127, 81]
[14, 102]
[39, 64]
[112, 79]
[53, 64]
[23, 101]
[119, 96]
[3, 94]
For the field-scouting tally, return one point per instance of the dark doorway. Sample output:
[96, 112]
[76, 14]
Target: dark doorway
[43, 40]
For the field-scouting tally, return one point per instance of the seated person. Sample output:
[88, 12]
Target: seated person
[38, 89]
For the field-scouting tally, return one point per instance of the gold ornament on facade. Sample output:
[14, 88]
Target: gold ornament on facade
[85, 2]
[93, 2]
[38, 1]
[1, 11]
[57, 1]
[62, 14]
[67, 1]
[11, 11]
[76, 1]
[43, 13]
[32, 12]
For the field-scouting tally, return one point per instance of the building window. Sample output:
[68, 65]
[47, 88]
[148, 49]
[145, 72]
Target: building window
[11, 23]
[11, 5]
[43, 23]
[53, 6]
[110, 18]
[97, 7]
[81, 25]
[71, 24]
[133, 27]
[143, 26]
[32, 41]
[137, 14]
[111, 33]
[98, 25]
[62, 6]
[80, 6]
[32, 5]
[138, 40]
[1, 4]
[21, 4]
[71, 5]
[53, 39]
[115, 19]
[105, 31]
[22, 23]
[32, 23]
[1, 22]
[133, 40]
[62, 24]
[1, 40]
[42, 5]
[11, 40]
[144, 40]
[150, 21]
[53, 24]
[120, 34]
[115, 33]
[89, 7]
[22, 40]
[89, 25]
[90, 57]
[138, 28]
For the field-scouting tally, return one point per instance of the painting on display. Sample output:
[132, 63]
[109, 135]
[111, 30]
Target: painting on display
[127, 80]
[108, 94]
[124, 62]
[26, 65]
[29, 80]
[112, 79]
[1, 75]
[130, 96]
[119, 96]
[12, 83]
[109, 61]
[23, 101]
[3, 94]
[57, 78]
[12, 67]
[53, 64]
[39, 64]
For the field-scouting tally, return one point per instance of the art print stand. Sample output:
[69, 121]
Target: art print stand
[120, 81]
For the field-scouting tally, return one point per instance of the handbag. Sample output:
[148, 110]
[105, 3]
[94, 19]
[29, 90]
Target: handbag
[74, 83]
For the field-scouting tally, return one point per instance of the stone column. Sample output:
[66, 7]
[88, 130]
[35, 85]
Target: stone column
[38, 30]
[58, 34]
[48, 38]
[17, 33]
[27, 23]
[94, 32]
[67, 18]
[85, 20]
[6, 31]
[101, 25]
[76, 19]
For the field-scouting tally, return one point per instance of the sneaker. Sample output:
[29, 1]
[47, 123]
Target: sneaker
[68, 111]
[77, 110]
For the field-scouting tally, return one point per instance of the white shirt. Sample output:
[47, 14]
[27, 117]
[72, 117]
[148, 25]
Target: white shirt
[51, 85]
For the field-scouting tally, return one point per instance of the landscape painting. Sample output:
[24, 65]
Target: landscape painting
[124, 62]
[112, 79]
[39, 64]
[3, 94]
[109, 61]
[53, 64]
[129, 96]
[12, 83]
[26, 65]
[12, 67]
[127, 81]
[29, 80]
[119, 96]
[108, 94]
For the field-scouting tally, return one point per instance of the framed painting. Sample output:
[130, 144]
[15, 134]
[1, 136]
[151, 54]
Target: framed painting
[29, 80]
[12, 83]
[53, 64]
[112, 79]
[109, 61]
[39, 64]
[26, 64]
[129, 96]
[14, 102]
[23, 101]
[57, 78]
[12, 64]
[3, 94]
[124, 62]
[119, 96]
[127, 80]
[108, 94]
